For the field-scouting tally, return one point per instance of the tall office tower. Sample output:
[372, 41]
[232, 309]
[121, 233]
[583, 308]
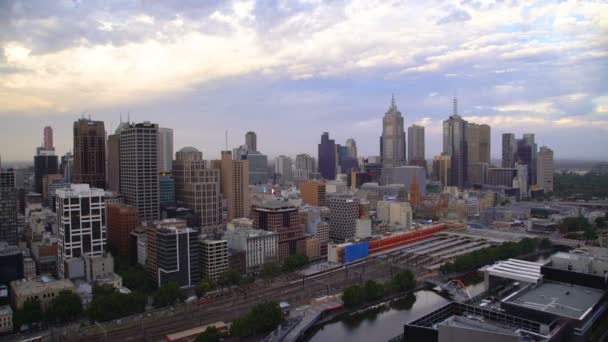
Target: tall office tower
[344, 212]
[455, 146]
[66, 168]
[305, 166]
[393, 137]
[251, 141]
[526, 155]
[45, 163]
[283, 167]
[90, 153]
[48, 139]
[166, 190]
[165, 149]
[214, 258]
[114, 158]
[313, 193]
[234, 185]
[478, 149]
[122, 220]
[8, 207]
[485, 138]
[81, 223]
[351, 147]
[415, 141]
[545, 168]
[138, 160]
[528, 138]
[282, 218]
[509, 148]
[197, 187]
[327, 157]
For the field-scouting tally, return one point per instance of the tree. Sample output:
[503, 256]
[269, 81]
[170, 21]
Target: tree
[211, 334]
[600, 222]
[353, 296]
[572, 224]
[136, 279]
[403, 281]
[168, 294]
[205, 285]
[293, 262]
[30, 313]
[66, 307]
[229, 278]
[263, 318]
[373, 290]
[270, 269]
[108, 304]
[545, 244]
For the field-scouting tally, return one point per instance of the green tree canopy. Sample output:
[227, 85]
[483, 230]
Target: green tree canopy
[270, 269]
[211, 334]
[30, 313]
[229, 278]
[293, 262]
[168, 294]
[108, 304]
[403, 281]
[66, 307]
[205, 285]
[263, 318]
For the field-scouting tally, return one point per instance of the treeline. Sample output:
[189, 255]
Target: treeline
[506, 250]
[358, 294]
[575, 186]
[263, 318]
[65, 307]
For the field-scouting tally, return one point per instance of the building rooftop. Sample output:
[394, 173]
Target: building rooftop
[516, 269]
[31, 286]
[6, 310]
[566, 300]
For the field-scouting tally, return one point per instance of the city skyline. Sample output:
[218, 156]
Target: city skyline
[518, 68]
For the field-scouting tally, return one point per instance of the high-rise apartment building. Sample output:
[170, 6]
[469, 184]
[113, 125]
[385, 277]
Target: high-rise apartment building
[509, 148]
[90, 153]
[165, 149]
[48, 139]
[138, 162]
[121, 221]
[415, 142]
[305, 166]
[197, 187]
[313, 193]
[546, 168]
[251, 141]
[344, 212]
[234, 185]
[81, 223]
[282, 218]
[328, 161]
[393, 145]
[8, 207]
[455, 146]
[214, 258]
[351, 147]
[283, 167]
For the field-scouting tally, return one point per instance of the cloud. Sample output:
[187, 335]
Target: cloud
[456, 15]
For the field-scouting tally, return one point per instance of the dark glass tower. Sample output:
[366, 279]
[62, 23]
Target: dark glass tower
[327, 157]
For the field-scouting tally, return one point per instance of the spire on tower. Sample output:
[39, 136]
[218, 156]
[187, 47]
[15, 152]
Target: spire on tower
[393, 101]
[455, 106]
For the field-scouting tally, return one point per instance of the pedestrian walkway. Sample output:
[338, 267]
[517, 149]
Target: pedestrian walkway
[310, 314]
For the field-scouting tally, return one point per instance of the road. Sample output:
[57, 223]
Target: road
[237, 303]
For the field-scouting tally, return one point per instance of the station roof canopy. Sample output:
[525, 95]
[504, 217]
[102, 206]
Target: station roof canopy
[515, 269]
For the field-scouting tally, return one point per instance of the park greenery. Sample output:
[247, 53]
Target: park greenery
[506, 250]
[66, 307]
[294, 262]
[579, 228]
[270, 269]
[262, 318]
[168, 294]
[357, 295]
[108, 304]
[585, 187]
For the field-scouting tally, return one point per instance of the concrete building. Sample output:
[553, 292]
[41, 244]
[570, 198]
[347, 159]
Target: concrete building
[260, 246]
[313, 193]
[282, 218]
[29, 267]
[455, 146]
[442, 169]
[197, 187]
[44, 253]
[165, 149]
[415, 142]
[234, 185]
[406, 175]
[43, 288]
[395, 213]
[306, 167]
[546, 168]
[81, 223]
[8, 207]
[6, 319]
[98, 267]
[214, 258]
[90, 153]
[139, 168]
[258, 167]
[392, 142]
[283, 168]
[351, 147]
[251, 141]
[327, 157]
[138, 246]
[122, 220]
[343, 216]
[176, 253]
[113, 158]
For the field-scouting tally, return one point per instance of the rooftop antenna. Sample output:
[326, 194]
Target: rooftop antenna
[226, 140]
[393, 100]
[455, 104]
[129, 117]
[120, 117]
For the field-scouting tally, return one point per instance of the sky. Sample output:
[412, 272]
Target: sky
[291, 70]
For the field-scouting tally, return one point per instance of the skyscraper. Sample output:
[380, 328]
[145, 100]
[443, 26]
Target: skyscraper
[305, 166]
[114, 158]
[545, 168]
[197, 187]
[67, 167]
[351, 148]
[282, 218]
[283, 167]
[234, 185]
[455, 146]
[251, 141]
[415, 141]
[478, 150]
[45, 163]
[344, 212]
[327, 157]
[48, 139]
[122, 220]
[526, 154]
[90, 153]
[509, 148]
[8, 207]
[139, 168]
[393, 137]
[81, 223]
[165, 149]
[442, 169]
